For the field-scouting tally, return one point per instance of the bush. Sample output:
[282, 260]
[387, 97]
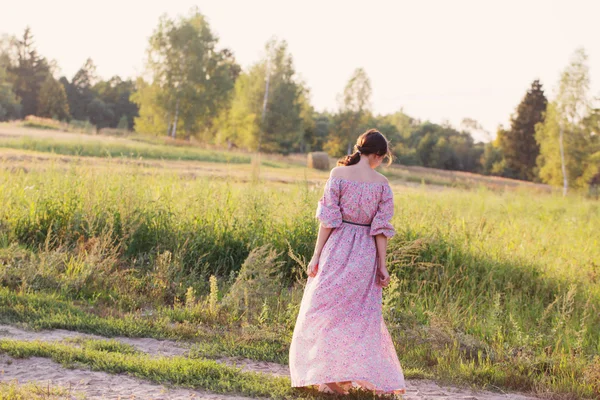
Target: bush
[258, 285]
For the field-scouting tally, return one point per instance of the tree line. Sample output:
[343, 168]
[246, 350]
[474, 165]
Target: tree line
[28, 87]
[555, 142]
[193, 88]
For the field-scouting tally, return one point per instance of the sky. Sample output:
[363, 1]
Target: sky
[437, 60]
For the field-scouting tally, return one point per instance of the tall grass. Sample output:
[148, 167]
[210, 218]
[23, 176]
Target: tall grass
[497, 289]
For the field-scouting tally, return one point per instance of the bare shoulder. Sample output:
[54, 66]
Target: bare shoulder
[381, 178]
[336, 172]
[352, 173]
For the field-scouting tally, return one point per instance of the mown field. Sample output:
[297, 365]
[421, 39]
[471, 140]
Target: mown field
[494, 285]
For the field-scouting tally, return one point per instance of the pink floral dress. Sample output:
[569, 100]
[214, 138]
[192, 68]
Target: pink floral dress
[340, 334]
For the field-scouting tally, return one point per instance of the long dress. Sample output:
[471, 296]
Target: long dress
[340, 334]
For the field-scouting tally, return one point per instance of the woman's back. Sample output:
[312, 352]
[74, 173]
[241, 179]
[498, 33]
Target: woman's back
[355, 201]
[360, 202]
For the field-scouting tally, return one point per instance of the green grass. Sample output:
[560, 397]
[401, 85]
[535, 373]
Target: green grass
[180, 371]
[111, 346]
[495, 289]
[121, 149]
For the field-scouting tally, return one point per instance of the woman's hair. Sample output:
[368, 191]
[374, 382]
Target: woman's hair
[370, 142]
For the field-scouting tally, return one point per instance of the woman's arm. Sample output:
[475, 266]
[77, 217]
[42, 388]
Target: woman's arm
[381, 242]
[322, 237]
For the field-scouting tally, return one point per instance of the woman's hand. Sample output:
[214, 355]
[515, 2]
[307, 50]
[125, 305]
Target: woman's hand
[383, 276]
[313, 267]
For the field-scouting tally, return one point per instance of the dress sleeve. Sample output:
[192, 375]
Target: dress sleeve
[385, 210]
[328, 208]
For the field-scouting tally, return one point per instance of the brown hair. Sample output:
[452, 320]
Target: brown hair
[370, 142]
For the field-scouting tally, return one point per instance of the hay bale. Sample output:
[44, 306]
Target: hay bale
[318, 160]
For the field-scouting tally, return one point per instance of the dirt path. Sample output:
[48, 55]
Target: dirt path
[100, 385]
[93, 384]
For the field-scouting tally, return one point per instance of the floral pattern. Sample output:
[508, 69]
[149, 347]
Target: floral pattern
[340, 334]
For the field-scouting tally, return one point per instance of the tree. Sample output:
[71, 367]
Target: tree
[282, 128]
[191, 79]
[518, 144]
[80, 91]
[492, 162]
[153, 118]
[307, 114]
[441, 146]
[116, 94]
[10, 106]
[100, 114]
[52, 102]
[322, 121]
[28, 74]
[474, 128]
[7, 51]
[566, 141]
[355, 109]
[405, 124]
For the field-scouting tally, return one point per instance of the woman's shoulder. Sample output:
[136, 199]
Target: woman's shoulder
[346, 173]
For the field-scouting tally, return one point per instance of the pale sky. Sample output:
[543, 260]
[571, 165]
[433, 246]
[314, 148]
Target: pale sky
[437, 59]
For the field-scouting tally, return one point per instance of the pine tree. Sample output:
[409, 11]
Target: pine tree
[518, 144]
[28, 74]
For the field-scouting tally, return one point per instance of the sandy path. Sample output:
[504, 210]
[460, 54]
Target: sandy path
[94, 384]
[100, 385]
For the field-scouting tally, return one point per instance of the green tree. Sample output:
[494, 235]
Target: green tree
[309, 125]
[322, 121]
[355, 109]
[405, 125]
[116, 94]
[7, 51]
[10, 107]
[441, 146]
[518, 144]
[191, 79]
[566, 138]
[28, 73]
[282, 127]
[80, 91]
[153, 118]
[492, 162]
[52, 102]
[100, 114]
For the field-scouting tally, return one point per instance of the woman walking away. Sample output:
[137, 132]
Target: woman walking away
[340, 339]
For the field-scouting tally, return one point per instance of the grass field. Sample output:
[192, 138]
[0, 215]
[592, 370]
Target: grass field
[496, 284]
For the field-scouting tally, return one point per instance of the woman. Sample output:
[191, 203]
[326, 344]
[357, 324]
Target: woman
[340, 339]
